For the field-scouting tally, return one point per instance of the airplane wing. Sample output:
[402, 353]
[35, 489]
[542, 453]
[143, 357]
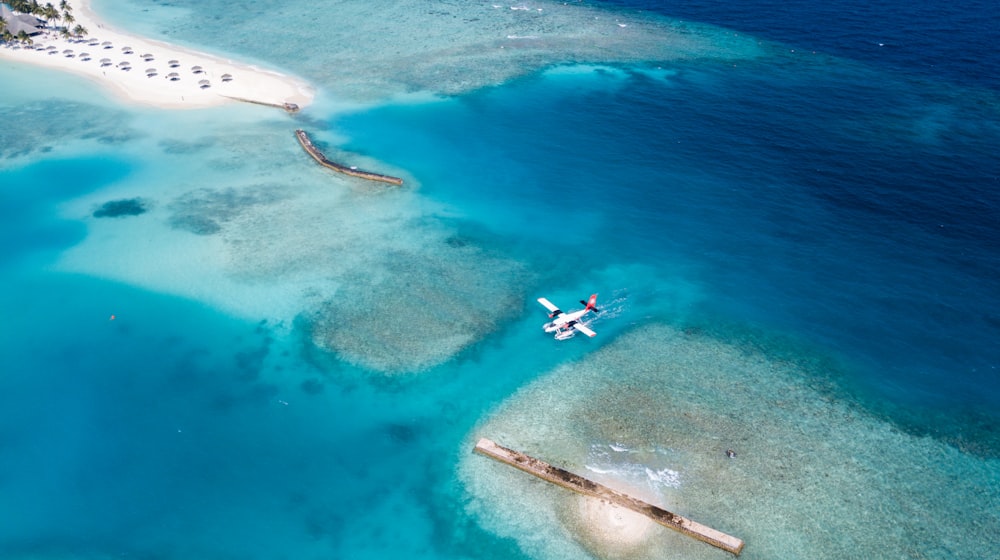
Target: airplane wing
[548, 305]
[585, 330]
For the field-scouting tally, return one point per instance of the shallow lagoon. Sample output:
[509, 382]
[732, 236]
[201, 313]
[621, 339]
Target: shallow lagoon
[775, 255]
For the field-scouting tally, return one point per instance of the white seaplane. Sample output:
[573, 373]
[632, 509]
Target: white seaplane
[566, 325]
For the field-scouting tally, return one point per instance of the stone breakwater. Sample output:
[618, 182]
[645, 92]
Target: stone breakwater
[317, 155]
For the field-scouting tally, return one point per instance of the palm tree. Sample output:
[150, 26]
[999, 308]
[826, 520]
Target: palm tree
[79, 30]
[68, 18]
[64, 6]
[25, 38]
[49, 12]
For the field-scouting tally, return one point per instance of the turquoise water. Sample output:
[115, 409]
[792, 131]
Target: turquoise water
[795, 253]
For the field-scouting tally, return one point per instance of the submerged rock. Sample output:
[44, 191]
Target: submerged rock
[121, 208]
[205, 211]
[37, 126]
[413, 311]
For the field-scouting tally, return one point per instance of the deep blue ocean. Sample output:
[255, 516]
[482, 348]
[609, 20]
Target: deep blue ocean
[844, 211]
[830, 205]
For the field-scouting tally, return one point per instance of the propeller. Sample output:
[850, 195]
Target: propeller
[594, 309]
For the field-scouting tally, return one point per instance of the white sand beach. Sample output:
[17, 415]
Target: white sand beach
[610, 528]
[151, 72]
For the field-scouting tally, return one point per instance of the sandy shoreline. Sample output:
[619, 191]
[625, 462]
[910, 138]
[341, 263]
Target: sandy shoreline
[188, 89]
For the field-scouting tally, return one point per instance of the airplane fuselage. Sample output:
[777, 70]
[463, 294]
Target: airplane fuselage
[564, 320]
[566, 325]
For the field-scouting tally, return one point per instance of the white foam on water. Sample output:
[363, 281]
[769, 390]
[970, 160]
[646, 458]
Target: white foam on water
[664, 477]
[617, 463]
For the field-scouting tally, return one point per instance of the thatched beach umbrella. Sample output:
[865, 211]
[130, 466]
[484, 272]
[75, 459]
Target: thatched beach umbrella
[105, 62]
[67, 52]
[173, 64]
[204, 84]
[150, 72]
[84, 56]
[127, 50]
[147, 57]
[173, 76]
[197, 69]
[94, 42]
[107, 44]
[227, 77]
[52, 48]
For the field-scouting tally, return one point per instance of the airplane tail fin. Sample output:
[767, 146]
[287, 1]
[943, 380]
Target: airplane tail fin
[591, 304]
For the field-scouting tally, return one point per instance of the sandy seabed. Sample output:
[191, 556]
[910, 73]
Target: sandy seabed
[613, 530]
[652, 415]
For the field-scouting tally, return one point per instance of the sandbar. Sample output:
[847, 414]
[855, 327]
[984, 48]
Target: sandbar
[613, 527]
[150, 72]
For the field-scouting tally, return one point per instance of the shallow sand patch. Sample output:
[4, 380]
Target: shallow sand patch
[372, 275]
[813, 476]
[610, 530]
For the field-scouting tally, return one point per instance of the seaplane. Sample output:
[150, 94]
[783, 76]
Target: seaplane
[566, 325]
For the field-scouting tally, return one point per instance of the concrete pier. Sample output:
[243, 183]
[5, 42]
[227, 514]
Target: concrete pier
[288, 107]
[577, 483]
[317, 155]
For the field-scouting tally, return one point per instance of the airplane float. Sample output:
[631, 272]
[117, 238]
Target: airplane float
[566, 325]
